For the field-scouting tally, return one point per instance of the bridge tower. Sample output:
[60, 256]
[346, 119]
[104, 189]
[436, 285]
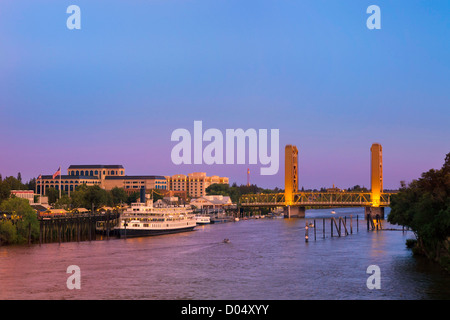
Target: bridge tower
[291, 182]
[376, 180]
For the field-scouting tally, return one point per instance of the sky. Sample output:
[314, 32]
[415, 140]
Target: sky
[113, 91]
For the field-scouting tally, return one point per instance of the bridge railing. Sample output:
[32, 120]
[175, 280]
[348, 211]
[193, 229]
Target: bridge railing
[359, 199]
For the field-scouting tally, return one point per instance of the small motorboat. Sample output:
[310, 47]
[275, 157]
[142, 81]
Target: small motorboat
[226, 240]
[333, 212]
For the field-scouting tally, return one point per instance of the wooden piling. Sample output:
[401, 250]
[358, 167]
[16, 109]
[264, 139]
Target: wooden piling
[314, 229]
[323, 222]
[351, 224]
[306, 231]
[331, 224]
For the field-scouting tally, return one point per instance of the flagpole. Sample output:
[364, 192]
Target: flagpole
[60, 182]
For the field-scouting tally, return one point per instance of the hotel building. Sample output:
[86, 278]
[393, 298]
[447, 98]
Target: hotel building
[194, 184]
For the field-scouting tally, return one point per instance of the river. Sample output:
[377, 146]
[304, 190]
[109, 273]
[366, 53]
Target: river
[266, 259]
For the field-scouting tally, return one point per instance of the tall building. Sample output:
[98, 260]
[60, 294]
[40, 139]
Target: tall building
[290, 172]
[194, 184]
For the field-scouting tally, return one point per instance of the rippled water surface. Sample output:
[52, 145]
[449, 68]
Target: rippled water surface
[265, 259]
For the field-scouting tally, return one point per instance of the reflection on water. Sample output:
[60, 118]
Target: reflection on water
[265, 259]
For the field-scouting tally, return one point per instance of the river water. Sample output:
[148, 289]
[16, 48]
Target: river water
[266, 259]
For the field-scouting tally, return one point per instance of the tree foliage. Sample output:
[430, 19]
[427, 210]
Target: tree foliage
[24, 221]
[235, 191]
[424, 206]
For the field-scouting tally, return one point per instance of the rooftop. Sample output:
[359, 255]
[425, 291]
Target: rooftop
[135, 177]
[95, 166]
[68, 177]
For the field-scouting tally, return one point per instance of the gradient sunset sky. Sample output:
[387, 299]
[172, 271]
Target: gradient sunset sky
[113, 92]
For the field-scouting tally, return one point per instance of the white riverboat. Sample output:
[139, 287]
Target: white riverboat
[203, 219]
[143, 219]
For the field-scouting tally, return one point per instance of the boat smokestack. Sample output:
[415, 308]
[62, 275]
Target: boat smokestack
[142, 195]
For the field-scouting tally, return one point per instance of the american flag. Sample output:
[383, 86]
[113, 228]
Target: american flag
[57, 173]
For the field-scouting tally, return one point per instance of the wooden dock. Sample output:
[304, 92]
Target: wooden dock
[76, 227]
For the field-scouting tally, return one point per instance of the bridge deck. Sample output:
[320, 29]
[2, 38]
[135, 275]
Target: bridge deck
[354, 199]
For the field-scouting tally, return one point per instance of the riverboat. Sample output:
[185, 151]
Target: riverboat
[203, 219]
[143, 219]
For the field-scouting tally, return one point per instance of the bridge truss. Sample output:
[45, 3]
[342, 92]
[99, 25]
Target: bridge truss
[325, 199]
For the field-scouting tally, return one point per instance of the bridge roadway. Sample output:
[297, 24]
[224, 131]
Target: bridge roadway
[318, 199]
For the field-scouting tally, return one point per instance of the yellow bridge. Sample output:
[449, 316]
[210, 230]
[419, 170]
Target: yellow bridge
[294, 202]
[317, 199]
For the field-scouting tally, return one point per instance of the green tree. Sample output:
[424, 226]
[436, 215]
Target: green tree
[27, 219]
[424, 206]
[53, 195]
[96, 196]
[119, 195]
[132, 198]
[63, 203]
[5, 191]
[13, 184]
[218, 189]
[8, 232]
[78, 198]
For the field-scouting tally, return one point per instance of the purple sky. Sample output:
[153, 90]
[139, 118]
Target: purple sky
[113, 92]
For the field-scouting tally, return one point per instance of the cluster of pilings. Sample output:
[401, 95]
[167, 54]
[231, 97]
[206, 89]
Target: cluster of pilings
[76, 227]
[338, 227]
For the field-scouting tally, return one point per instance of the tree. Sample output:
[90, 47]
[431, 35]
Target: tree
[96, 196]
[424, 206]
[78, 198]
[26, 220]
[53, 195]
[5, 191]
[31, 185]
[119, 195]
[8, 232]
[63, 203]
[132, 197]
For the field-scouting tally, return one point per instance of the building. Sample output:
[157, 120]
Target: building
[135, 183]
[334, 189]
[212, 202]
[109, 177]
[96, 170]
[194, 184]
[24, 194]
[68, 183]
